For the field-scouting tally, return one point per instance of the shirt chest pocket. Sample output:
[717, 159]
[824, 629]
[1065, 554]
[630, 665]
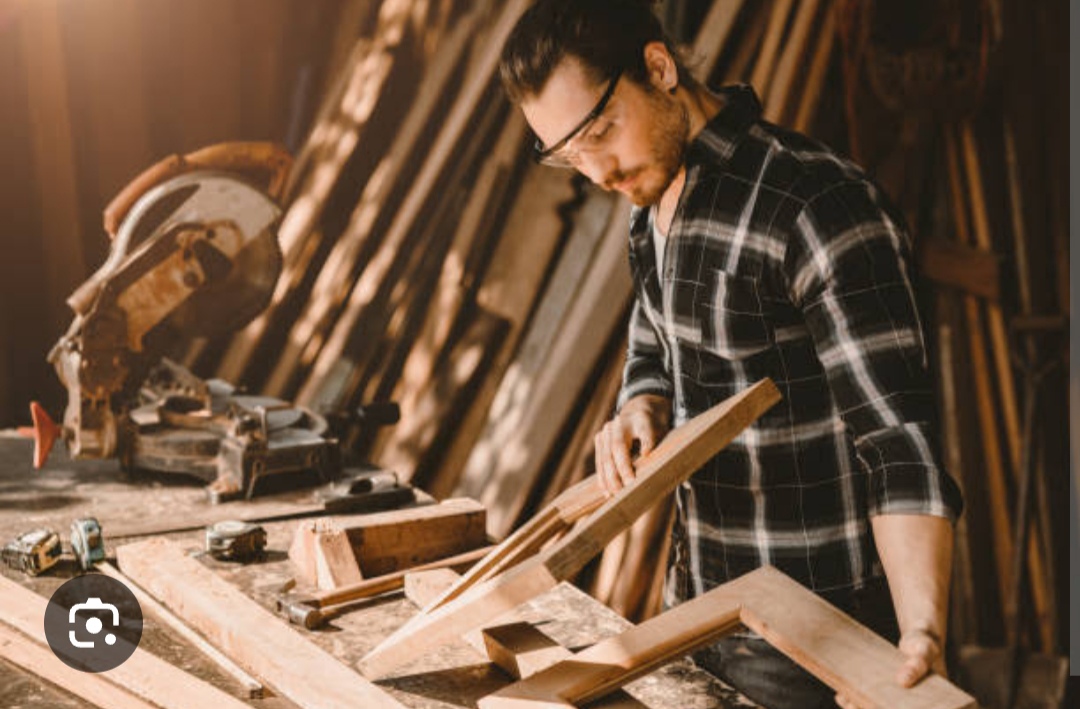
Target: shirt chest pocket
[728, 317]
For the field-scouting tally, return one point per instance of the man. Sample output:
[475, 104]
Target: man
[755, 252]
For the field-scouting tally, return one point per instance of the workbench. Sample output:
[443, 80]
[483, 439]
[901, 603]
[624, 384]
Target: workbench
[454, 676]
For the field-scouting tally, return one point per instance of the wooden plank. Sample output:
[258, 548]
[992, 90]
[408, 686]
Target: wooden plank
[834, 647]
[335, 563]
[438, 410]
[252, 688]
[972, 270]
[713, 35]
[1042, 594]
[309, 331]
[293, 665]
[385, 542]
[424, 387]
[521, 649]
[611, 663]
[531, 236]
[579, 451]
[320, 389]
[23, 652]
[557, 517]
[996, 475]
[509, 460]
[142, 674]
[423, 587]
[370, 69]
[683, 451]
[770, 48]
[793, 58]
[819, 68]
[738, 71]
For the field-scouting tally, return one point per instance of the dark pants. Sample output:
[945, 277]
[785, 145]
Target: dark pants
[766, 676]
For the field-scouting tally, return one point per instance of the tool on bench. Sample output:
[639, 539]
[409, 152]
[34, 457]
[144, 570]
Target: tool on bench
[233, 540]
[194, 255]
[311, 611]
[87, 544]
[33, 552]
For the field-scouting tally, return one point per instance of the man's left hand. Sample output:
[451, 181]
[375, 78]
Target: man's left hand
[923, 652]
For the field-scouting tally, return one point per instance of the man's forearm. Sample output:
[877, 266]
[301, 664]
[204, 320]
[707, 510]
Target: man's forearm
[916, 552]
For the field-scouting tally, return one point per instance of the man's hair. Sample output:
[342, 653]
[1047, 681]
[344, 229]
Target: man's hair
[604, 35]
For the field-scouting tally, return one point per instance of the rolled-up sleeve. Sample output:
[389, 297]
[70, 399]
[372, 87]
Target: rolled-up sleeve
[847, 270]
[644, 372]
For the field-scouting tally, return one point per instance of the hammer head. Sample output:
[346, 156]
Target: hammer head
[298, 612]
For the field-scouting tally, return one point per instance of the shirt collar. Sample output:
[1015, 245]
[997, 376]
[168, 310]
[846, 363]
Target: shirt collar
[718, 139]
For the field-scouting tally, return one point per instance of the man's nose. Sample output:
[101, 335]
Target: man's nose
[597, 167]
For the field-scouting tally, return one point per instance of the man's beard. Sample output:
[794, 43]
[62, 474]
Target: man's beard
[668, 140]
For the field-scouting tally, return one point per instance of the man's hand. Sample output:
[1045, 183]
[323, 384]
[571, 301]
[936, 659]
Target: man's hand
[645, 419]
[924, 653]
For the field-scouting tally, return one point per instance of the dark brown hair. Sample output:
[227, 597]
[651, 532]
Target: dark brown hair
[605, 35]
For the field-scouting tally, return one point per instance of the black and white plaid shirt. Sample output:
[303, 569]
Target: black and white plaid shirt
[785, 261]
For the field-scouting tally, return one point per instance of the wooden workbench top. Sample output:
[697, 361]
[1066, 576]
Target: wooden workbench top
[455, 676]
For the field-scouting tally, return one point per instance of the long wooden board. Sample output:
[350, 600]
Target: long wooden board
[677, 457]
[845, 655]
[251, 635]
[142, 674]
[31, 656]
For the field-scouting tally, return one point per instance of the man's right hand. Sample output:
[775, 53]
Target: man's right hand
[645, 419]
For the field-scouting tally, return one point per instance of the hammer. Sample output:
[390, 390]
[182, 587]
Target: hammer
[312, 611]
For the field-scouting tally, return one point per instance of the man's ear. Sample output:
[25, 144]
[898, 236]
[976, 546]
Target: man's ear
[663, 74]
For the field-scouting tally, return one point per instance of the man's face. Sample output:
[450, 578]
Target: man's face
[636, 144]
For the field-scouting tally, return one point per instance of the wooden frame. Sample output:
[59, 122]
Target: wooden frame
[677, 457]
[831, 645]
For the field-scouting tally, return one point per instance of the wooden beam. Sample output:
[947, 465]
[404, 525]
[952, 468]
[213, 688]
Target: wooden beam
[521, 649]
[319, 389]
[337, 139]
[819, 68]
[142, 674]
[793, 58]
[682, 452]
[766, 61]
[713, 35]
[23, 652]
[531, 236]
[423, 587]
[385, 542]
[252, 688]
[424, 389]
[972, 270]
[586, 299]
[310, 329]
[261, 643]
[834, 647]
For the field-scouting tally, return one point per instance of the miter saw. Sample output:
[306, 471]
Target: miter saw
[194, 254]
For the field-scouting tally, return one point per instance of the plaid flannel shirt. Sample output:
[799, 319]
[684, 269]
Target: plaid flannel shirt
[784, 261]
